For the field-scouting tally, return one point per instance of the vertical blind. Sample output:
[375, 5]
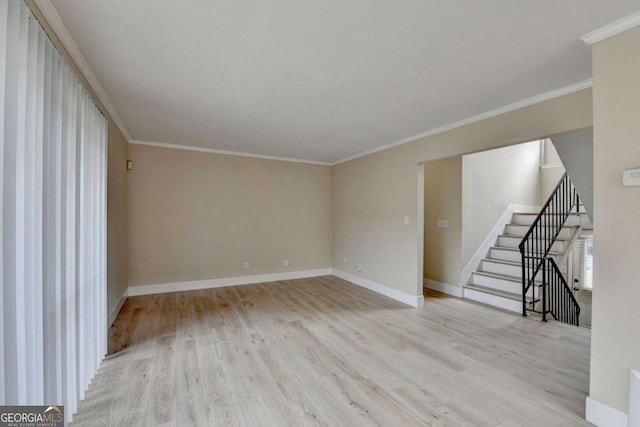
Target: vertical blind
[52, 221]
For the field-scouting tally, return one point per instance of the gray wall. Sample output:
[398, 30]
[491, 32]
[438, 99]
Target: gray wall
[575, 148]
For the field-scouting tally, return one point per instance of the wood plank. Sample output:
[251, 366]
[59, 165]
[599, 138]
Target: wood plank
[190, 404]
[162, 399]
[322, 351]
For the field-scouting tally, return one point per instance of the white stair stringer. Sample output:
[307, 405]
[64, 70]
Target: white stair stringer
[497, 280]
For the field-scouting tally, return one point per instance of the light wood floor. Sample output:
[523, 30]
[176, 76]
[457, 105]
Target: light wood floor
[324, 352]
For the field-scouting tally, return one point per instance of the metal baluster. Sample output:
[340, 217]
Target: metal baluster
[544, 294]
[563, 296]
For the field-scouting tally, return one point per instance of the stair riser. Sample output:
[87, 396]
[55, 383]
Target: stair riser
[513, 242]
[521, 230]
[494, 300]
[505, 255]
[519, 219]
[509, 242]
[507, 270]
[499, 284]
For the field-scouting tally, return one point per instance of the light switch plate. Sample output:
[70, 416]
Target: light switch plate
[631, 177]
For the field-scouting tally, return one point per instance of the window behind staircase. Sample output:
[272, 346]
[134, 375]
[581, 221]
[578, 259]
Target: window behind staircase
[585, 262]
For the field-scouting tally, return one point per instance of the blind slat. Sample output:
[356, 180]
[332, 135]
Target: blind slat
[52, 221]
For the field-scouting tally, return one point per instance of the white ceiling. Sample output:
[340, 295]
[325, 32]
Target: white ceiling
[324, 80]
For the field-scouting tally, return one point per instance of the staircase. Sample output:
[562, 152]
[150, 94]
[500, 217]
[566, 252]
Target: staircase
[498, 279]
[521, 272]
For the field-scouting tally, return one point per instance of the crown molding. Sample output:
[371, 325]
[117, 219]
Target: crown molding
[55, 21]
[610, 30]
[487, 115]
[224, 152]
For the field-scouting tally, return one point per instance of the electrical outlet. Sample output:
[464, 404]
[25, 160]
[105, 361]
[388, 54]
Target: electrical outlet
[443, 223]
[345, 260]
[286, 262]
[359, 267]
[406, 220]
[246, 265]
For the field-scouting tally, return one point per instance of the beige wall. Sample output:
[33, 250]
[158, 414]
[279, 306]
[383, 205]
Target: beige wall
[615, 338]
[373, 193]
[551, 171]
[549, 178]
[443, 200]
[197, 216]
[117, 227]
[116, 183]
[491, 181]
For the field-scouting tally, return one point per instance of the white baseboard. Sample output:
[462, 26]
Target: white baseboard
[634, 399]
[226, 281]
[604, 416]
[114, 313]
[445, 288]
[412, 300]
[490, 240]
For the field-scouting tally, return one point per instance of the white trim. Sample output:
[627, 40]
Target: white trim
[412, 300]
[634, 399]
[490, 240]
[487, 115]
[420, 238]
[610, 30]
[445, 288]
[552, 166]
[224, 152]
[53, 18]
[114, 313]
[604, 416]
[226, 281]
[492, 300]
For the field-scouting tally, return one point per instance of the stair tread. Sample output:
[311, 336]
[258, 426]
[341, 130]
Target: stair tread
[502, 261]
[505, 248]
[538, 213]
[503, 294]
[510, 249]
[514, 279]
[542, 226]
[520, 237]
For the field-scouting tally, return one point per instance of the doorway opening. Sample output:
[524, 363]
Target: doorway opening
[468, 203]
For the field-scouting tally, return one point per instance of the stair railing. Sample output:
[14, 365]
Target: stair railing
[539, 239]
[558, 300]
